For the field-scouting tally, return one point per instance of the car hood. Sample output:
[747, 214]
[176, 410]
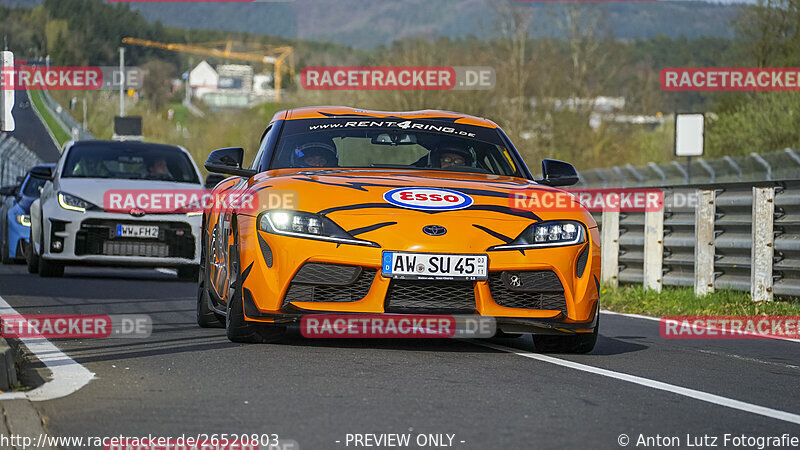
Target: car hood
[356, 199]
[93, 190]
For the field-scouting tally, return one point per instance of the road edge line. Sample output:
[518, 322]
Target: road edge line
[68, 376]
[653, 384]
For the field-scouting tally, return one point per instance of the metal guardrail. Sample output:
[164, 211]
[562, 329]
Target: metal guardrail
[67, 122]
[778, 165]
[15, 159]
[733, 237]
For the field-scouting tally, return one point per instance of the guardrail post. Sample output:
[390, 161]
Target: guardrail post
[704, 242]
[609, 251]
[653, 249]
[762, 250]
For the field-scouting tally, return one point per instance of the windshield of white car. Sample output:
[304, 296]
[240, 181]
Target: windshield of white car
[129, 163]
[393, 144]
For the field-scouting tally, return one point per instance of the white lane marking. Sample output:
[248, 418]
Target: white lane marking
[637, 316]
[746, 358]
[658, 319]
[659, 385]
[68, 375]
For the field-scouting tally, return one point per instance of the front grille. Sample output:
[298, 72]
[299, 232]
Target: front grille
[128, 248]
[430, 295]
[321, 282]
[328, 274]
[535, 289]
[98, 237]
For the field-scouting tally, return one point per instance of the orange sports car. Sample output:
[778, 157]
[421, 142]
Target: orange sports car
[368, 212]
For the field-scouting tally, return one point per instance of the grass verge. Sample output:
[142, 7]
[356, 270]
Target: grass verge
[682, 301]
[50, 122]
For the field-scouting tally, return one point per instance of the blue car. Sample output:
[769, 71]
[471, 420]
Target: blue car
[15, 213]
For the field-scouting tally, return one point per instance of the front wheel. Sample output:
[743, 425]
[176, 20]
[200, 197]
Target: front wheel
[50, 269]
[31, 258]
[188, 273]
[6, 258]
[206, 317]
[236, 327]
[573, 343]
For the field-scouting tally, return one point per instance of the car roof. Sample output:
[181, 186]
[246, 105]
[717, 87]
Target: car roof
[328, 112]
[50, 165]
[125, 144]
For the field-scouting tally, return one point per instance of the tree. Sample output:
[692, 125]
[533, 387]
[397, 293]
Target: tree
[157, 85]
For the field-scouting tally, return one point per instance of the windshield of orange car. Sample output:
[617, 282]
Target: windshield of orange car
[393, 144]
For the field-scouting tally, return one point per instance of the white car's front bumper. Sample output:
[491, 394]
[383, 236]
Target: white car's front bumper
[90, 238]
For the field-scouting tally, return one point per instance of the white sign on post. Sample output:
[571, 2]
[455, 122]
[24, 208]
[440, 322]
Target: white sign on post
[7, 92]
[689, 134]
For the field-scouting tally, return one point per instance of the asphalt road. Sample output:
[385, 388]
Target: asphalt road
[30, 130]
[183, 379]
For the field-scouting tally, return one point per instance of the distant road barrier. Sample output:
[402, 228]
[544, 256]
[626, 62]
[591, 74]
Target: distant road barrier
[741, 236]
[15, 159]
[70, 125]
[778, 165]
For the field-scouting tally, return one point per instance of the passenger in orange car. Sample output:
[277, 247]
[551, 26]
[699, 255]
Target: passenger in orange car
[450, 159]
[446, 156]
[315, 154]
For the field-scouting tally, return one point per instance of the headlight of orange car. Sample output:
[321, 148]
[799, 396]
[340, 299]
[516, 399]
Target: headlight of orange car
[306, 225]
[555, 233]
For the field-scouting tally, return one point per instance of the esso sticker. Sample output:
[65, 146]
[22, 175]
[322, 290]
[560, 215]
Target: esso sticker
[428, 199]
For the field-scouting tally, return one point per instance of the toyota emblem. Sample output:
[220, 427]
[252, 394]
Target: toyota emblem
[434, 230]
[136, 212]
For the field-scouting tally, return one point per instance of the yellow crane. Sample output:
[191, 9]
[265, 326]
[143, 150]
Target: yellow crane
[278, 56]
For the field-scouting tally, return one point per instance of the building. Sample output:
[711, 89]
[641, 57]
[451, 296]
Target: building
[203, 79]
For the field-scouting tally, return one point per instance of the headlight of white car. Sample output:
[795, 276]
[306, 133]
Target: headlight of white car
[73, 203]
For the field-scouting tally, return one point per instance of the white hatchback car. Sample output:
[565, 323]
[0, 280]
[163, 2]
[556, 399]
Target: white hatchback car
[72, 224]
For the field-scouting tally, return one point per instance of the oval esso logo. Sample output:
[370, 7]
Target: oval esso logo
[428, 199]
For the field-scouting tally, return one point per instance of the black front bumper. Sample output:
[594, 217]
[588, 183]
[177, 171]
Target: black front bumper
[558, 325]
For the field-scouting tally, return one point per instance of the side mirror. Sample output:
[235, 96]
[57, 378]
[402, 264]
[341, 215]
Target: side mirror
[9, 191]
[214, 179]
[45, 172]
[558, 173]
[228, 161]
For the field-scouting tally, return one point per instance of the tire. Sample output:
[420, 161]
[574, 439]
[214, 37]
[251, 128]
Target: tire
[6, 258]
[50, 269]
[206, 317]
[501, 334]
[188, 273]
[573, 343]
[32, 258]
[236, 328]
